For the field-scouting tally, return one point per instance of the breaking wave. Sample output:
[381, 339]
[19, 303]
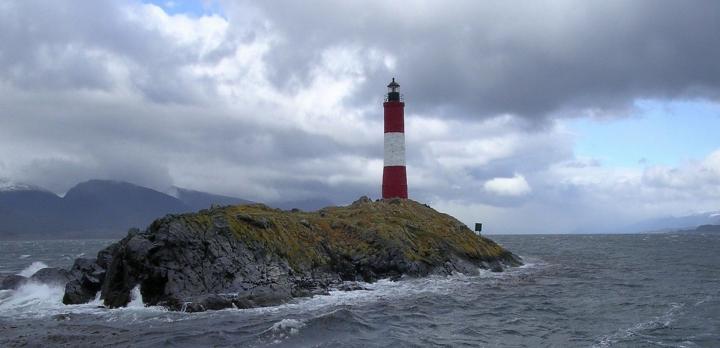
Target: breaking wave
[32, 269]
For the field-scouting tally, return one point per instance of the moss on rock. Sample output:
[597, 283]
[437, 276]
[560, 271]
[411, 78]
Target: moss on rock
[355, 232]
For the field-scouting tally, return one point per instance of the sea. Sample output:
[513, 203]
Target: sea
[640, 290]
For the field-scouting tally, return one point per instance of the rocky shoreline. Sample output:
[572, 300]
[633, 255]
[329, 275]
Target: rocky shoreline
[251, 255]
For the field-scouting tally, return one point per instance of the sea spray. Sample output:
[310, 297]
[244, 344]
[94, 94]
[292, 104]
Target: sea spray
[31, 298]
[32, 269]
[136, 300]
[281, 331]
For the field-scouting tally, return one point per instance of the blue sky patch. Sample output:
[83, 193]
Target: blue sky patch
[659, 133]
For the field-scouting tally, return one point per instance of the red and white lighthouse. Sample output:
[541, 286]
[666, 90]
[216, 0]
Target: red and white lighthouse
[394, 183]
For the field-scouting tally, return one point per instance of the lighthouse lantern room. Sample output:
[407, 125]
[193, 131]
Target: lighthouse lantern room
[394, 183]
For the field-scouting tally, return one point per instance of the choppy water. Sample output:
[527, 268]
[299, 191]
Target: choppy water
[578, 291]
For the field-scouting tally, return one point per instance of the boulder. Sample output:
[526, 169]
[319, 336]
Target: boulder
[51, 275]
[13, 282]
[87, 276]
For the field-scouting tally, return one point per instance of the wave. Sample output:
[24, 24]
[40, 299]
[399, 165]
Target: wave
[37, 300]
[341, 320]
[32, 269]
[624, 334]
[389, 290]
[42, 300]
[282, 330]
[31, 298]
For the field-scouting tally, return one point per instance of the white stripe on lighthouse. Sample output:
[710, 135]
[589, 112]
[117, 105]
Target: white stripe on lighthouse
[394, 149]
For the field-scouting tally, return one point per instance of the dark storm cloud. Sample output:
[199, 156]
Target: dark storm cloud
[281, 100]
[527, 58]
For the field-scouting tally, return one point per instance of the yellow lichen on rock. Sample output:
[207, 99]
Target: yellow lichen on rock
[362, 230]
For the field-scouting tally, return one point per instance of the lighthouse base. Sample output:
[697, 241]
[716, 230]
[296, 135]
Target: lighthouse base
[394, 182]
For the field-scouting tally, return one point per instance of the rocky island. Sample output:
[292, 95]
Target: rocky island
[251, 255]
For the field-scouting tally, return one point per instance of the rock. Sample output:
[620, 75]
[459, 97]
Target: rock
[214, 302]
[51, 275]
[251, 255]
[104, 257]
[220, 222]
[362, 200]
[75, 293]
[257, 222]
[87, 278]
[192, 307]
[496, 268]
[13, 282]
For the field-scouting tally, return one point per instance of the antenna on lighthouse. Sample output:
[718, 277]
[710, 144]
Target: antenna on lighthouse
[394, 183]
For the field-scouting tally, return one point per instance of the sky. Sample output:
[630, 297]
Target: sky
[531, 117]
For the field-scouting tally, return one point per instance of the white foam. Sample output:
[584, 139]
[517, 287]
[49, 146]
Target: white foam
[136, 300]
[291, 325]
[32, 269]
[31, 298]
[658, 322]
[38, 300]
[24, 256]
[386, 289]
[35, 300]
[283, 329]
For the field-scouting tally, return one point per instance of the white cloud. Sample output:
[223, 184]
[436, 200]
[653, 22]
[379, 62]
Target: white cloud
[514, 186]
[267, 107]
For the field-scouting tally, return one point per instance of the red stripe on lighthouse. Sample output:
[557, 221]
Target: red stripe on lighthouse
[394, 182]
[394, 117]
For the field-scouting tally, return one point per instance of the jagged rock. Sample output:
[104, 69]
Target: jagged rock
[104, 257]
[251, 255]
[13, 282]
[87, 276]
[213, 302]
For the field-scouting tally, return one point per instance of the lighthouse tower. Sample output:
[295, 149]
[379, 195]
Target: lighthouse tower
[394, 183]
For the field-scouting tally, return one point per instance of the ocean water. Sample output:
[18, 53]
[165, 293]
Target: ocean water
[574, 291]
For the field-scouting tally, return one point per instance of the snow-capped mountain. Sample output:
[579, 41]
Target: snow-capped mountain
[8, 186]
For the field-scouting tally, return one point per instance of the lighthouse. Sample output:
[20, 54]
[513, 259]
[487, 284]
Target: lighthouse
[394, 183]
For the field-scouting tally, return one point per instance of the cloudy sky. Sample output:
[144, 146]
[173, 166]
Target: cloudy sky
[541, 116]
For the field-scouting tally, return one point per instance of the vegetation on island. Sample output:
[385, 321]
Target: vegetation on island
[354, 232]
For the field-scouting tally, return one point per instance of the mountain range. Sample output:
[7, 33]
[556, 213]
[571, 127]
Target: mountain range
[675, 223]
[102, 209]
